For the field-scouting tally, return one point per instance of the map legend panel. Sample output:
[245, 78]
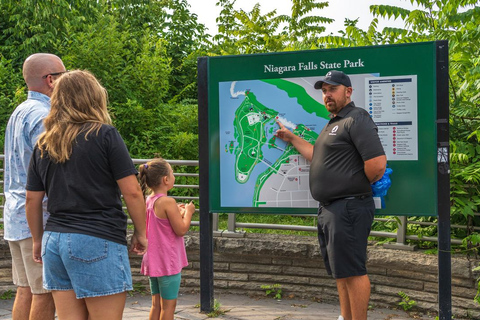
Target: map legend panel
[392, 103]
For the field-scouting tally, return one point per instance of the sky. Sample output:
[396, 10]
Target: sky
[207, 12]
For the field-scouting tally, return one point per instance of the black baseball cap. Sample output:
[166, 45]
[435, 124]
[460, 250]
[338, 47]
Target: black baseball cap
[335, 78]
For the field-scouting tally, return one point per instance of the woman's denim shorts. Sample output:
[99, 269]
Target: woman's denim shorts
[90, 266]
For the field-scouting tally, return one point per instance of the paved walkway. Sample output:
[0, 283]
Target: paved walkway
[239, 307]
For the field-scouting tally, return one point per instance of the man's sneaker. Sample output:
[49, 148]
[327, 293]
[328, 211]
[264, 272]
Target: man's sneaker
[340, 318]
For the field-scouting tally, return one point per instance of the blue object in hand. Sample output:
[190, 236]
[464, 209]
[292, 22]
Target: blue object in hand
[380, 187]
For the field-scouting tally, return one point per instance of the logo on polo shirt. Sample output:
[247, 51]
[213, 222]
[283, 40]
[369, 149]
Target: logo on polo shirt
[334, 131]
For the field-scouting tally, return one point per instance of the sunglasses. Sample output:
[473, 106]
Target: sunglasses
[54, 74]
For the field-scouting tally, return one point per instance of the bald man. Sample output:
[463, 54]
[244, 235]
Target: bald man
[40, 72]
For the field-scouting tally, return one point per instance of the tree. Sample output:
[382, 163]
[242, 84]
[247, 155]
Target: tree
[185, 40]
[119, 41]
[11, 93]
[30, 26]
[303, 30]
[241, 31]
[248, 32]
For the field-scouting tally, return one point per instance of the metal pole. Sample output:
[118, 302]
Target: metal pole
[215, 221]
[402, 230]
[206, 220]
[444, 255]
[401, 243]
[231, 222]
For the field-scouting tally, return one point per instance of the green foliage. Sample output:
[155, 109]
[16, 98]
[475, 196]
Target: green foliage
[135, 72]
[407, 303]
[474, 239]
[217, 310]
[274, 291]
[11, 93]
[241, 31]
[6, 295]
[477, 296]
[303, 29]
[30, 26]
[167, 130]
[139, 288]
[130, 46]
[185, 40]
[273, 219]
[431, 251]
[130, 68]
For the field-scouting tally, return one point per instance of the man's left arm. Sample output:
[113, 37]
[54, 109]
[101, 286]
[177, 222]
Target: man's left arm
[375, 168]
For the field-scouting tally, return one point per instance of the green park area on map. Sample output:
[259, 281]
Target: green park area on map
[251, 120]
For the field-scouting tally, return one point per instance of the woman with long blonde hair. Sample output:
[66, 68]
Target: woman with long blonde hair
[82, 164]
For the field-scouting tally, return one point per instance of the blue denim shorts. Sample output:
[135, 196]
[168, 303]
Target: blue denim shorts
[88, 265]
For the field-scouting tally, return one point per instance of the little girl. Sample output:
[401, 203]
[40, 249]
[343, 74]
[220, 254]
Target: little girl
[167, 222]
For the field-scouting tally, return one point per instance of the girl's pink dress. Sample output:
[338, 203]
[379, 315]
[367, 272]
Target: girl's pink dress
[166, 254]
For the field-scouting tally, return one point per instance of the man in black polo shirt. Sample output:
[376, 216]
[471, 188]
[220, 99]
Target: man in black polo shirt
[347, 157]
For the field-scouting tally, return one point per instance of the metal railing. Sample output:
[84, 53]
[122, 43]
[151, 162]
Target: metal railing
[233, 226]
[181, 163]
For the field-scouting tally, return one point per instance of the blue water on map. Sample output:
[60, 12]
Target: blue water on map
[234, 194]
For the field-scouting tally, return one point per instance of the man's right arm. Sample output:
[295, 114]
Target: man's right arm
[34, 213]
[304, 147]
[375, 168]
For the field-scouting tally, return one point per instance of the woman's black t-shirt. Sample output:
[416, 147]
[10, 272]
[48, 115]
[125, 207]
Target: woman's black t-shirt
[83, 194]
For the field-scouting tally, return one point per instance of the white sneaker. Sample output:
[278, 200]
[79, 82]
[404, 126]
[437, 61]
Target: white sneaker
[340, 318]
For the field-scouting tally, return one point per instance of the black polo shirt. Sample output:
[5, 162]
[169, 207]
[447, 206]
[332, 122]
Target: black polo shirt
[345, 143]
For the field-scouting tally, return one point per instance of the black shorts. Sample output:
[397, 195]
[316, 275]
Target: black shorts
[343, 229]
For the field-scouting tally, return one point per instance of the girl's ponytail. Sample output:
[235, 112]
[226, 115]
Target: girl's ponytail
[142, 178]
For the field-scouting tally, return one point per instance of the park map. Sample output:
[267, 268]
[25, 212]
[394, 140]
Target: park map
[259, 170]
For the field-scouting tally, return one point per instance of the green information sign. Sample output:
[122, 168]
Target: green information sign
[253, 172]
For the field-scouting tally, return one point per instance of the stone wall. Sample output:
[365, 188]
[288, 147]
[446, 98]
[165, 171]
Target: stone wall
[242, 265]
[5, 267]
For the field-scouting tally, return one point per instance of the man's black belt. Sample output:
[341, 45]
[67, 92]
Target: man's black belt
[327, 203]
